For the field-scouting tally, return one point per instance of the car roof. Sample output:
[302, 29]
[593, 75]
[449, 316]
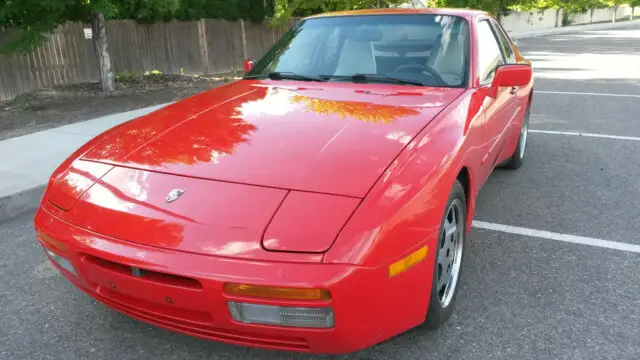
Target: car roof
[465, 13]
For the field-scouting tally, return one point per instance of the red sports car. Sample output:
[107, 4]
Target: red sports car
[320, 204]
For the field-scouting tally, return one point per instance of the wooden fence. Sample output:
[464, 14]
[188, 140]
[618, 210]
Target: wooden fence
[196, 47]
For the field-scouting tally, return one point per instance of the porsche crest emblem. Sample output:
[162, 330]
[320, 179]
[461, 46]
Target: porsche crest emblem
[174, 195]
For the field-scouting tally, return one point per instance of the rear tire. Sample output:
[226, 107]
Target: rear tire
[449, 259]
[517, 159]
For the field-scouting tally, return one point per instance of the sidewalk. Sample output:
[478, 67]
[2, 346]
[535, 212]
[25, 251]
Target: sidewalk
[28, 161]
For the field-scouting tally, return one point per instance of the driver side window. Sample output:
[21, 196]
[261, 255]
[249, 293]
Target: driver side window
[489, 53]
[504, 42]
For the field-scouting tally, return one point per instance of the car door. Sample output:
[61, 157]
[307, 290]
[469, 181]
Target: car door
[497, 108]
[518, 98]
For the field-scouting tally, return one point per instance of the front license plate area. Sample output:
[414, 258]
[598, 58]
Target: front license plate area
[147, 287]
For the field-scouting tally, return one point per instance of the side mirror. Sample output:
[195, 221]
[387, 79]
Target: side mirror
[248, 65]
[509, 75]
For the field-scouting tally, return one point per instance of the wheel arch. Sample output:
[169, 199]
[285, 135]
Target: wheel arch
[466, 180]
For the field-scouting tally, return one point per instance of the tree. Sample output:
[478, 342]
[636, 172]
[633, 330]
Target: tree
[96, 10]
[285, 9]
[495, 7]
[558, 5]
[105, 69]
[32, 20]
[232, 10]
[144, 11]
[270, 6]
[590, 5]
[252, 10]
[615, 4]
[634, 4]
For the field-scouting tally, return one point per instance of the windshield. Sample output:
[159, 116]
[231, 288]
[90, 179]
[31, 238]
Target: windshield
[421, 49]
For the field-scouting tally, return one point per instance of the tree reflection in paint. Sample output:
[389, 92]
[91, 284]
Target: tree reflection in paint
[373, 113]
[195, 146]
[216, 133]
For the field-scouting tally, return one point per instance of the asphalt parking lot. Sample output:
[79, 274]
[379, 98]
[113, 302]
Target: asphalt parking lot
[527, 293]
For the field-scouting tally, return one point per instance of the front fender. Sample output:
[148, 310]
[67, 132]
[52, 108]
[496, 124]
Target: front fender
[403, 210]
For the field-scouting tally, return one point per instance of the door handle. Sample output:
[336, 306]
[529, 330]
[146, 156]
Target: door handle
[514, 90]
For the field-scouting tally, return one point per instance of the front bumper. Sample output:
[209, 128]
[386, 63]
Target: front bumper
[183, 292]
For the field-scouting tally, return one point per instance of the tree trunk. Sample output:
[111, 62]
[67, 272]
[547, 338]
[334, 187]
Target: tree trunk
[633, 10]
[558, 16]
[591, 12]
[615, 13]
[271, 8]
[107, 78]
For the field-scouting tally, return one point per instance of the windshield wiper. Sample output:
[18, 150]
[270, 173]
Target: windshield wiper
[379, 77]
[278, 75]
[359, 77]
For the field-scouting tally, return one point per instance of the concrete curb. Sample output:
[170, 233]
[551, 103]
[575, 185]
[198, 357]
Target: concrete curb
[21, 202]
[571, 29]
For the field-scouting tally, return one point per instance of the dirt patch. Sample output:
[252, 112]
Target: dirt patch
[49, 108]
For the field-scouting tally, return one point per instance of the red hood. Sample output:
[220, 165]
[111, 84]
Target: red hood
[334, 138]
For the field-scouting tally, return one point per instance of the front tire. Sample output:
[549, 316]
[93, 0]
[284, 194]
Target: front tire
[448, 259]
[517, 159]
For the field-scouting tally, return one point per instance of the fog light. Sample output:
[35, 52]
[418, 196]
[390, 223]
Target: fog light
[308, 317]
[62, 262]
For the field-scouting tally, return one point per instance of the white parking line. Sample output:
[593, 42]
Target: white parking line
[585, 93]
[571, 133]
[557, 236]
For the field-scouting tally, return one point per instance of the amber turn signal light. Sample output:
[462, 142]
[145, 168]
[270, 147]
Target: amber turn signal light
[408, 262]
[277, 292]
[51, 241]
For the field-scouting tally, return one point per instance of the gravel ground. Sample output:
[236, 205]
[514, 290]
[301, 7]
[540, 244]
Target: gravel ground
[48, 108]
